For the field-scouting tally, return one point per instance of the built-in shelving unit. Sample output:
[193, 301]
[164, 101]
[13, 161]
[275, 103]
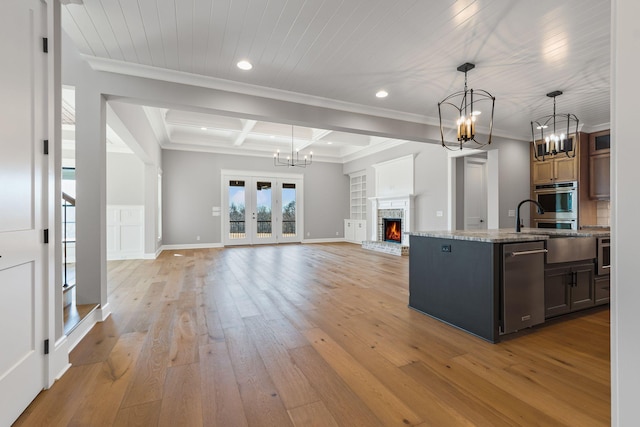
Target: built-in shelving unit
[355, 228]
[358, 193]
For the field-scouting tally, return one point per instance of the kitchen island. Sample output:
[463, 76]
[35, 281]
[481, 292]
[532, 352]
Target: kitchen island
[488, 282]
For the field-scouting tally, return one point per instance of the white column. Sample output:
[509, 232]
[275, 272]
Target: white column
[91, 200]
[625, 205]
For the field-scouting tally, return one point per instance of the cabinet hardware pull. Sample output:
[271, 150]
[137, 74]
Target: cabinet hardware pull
[537, 251]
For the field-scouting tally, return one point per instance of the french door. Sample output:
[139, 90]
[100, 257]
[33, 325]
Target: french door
[261, 209]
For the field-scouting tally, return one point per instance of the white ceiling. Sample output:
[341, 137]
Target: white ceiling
[343, 51]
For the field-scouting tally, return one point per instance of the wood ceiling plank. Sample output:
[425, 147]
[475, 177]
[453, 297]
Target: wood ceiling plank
[139, 39]
[168, 26]
[115, 22]
[151, 23]
[184, 29]
[95, 40]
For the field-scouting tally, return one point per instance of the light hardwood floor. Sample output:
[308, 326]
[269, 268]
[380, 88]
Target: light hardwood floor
[312, 335]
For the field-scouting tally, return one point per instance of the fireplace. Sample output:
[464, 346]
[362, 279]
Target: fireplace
[392, 223]
[392, 230]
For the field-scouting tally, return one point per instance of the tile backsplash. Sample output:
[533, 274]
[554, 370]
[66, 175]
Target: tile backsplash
[603, 213]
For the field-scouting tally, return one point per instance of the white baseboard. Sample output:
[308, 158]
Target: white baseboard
[83, 329]
[58, 360]
[330, 240]
[105, 311]
[153, 255]
[100, 314]
[192, 246]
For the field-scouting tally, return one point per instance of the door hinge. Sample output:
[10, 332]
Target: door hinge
[45, 45]
[45, 146]
[46, 346]
[46, 235]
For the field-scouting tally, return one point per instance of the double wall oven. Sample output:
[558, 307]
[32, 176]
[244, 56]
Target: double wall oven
[560, 204]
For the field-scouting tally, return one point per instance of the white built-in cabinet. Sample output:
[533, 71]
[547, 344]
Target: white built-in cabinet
[355, 228]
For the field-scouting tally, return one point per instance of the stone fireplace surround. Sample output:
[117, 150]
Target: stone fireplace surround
[390, 207]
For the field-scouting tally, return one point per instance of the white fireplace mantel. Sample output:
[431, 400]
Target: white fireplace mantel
[403, 202]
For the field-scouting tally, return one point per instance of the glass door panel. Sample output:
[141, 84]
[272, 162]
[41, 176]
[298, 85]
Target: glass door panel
[264, 231]
[288, 210]
[236, 227]
[290, 198]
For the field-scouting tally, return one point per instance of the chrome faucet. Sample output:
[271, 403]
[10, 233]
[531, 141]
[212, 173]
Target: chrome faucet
[540, 211]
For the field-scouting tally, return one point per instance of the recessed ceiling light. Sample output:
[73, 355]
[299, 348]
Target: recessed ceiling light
[329, 142]
[382, 94]
[203, 128]
[272, 136]
[245, 65]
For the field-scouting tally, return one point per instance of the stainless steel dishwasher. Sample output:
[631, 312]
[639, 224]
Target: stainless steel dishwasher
[522, 285]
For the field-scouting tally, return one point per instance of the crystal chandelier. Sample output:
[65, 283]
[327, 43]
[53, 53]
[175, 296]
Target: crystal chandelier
[559, 140]
[464, 108]
[294, 158]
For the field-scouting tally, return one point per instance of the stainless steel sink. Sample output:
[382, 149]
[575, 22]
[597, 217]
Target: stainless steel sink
[568, 249]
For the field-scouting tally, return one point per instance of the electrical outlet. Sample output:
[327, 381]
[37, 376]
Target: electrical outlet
[445, 248]
[512, 212]
[438, 213]
[308, 233]
[337, 233]
[197, 237]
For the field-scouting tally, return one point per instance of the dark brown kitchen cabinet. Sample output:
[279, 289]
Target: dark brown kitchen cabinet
[568, 288]
[602, 289]
[600, 142]
[599, 165]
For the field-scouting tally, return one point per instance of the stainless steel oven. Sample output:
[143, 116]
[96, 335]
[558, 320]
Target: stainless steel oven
[604, 255]
[559, 200]
[558, 224]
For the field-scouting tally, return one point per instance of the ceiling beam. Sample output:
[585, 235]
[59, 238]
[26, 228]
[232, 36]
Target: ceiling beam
[246, 128]
[316, 135]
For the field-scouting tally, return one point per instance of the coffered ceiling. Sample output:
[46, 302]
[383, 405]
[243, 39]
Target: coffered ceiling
[339, 53]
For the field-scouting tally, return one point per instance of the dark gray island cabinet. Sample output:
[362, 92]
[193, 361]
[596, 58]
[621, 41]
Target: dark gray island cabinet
[488, 283]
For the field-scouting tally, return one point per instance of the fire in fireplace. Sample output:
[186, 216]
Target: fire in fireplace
[392, 230]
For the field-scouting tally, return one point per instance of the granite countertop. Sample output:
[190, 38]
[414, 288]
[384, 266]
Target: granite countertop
[509, 235]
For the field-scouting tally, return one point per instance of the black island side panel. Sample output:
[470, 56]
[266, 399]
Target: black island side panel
[458, 284]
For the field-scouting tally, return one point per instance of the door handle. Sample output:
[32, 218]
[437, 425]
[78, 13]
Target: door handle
[536, 251]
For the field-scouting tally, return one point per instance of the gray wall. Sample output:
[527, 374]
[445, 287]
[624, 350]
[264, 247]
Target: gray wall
[514, 177]
[431, 174]
[430, 181]
[125, 179]
[459, 225]
[192, 186]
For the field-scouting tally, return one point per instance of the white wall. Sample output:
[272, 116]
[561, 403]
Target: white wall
[125, 179]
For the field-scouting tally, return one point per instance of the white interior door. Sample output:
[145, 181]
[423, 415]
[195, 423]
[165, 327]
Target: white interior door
[261, 210]
[475, 194]
[23, 112]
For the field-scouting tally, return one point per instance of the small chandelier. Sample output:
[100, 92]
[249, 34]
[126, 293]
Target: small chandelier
[291, 159]
[559, 140]
[465, 105]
